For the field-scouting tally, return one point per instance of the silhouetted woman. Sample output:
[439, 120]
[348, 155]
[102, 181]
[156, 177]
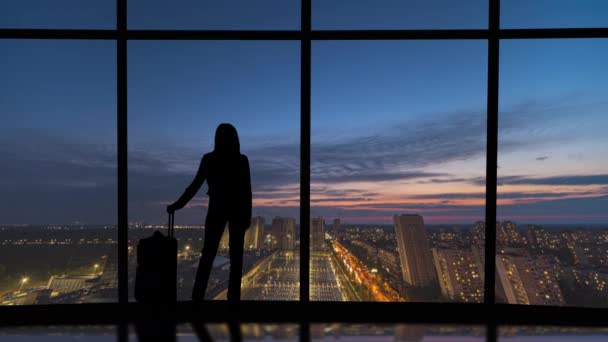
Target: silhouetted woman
[226, 171]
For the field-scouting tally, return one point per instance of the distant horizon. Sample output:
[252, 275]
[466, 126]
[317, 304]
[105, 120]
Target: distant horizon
[328, 223]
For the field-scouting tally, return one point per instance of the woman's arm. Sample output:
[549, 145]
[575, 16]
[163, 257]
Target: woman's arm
[192, 189]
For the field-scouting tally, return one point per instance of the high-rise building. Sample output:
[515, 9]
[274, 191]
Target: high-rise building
[317, 233]
[507, 234]
[414, 250]
[254, 237]
[70, 283]
[284, 233]
[460, 275]
[526, 280]
[546, 281]
[478, 233]
[370, 250]
[389, 261]
[337, 229]
[109, 273]
[537, 237]
[510, 280]
[579, 257]
[225, 240]
[585, 280]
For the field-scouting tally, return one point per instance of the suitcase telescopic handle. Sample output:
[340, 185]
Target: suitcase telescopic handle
[171, 222]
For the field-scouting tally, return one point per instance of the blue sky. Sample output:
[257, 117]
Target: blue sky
[397, 126]
[285, 14]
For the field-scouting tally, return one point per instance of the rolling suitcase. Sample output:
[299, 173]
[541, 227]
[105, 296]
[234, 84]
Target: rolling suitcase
[155, 277]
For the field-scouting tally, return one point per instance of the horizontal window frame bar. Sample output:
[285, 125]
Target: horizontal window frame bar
[315, 312]
[302, 35]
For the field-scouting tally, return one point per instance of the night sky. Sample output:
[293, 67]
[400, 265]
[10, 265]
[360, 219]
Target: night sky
[397, 126]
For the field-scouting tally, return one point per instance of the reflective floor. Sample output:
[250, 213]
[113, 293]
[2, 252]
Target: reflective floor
[94, 333]
[291, 332]
[546, 334]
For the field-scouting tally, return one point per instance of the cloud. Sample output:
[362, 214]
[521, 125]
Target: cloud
[338, 199]
[480, 195]
[412, 205]
[47, 179]
[577, 210]
[56, 177]
[513, 195]
[325, 190]
[388, 155]
[475, 180]
[601, 179]
[401, 150]
[548, 122]
[337, 177]
[383, 212]
[549, 195]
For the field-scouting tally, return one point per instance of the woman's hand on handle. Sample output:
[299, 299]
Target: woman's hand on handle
[171, 208]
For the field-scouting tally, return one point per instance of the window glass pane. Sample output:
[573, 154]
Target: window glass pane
[66, 14]
[218, 15]
[179, 92]
[553, 13]
[398, 170]
[58, 155]
[399, 14]
[552, 175]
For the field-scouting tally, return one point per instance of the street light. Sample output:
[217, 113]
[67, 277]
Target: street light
[95, 267]
[23, 281]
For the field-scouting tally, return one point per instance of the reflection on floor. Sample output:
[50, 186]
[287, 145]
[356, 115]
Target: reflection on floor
[318, 333]
[94, 333]
[548, 333]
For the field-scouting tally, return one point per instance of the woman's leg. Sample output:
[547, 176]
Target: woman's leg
[214, 228]
[237, 237]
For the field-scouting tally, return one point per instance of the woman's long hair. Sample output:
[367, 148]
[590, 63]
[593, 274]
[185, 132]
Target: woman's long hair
[227, 140]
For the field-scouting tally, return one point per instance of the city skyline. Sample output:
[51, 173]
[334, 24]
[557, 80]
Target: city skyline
[408, 263]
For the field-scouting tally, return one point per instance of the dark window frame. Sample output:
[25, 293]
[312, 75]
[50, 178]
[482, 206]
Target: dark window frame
[487, 313]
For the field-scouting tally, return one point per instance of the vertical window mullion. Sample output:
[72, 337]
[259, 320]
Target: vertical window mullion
[305, 332]
[492, 151]
[123, 221]
[491, 332]
[305, 71]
